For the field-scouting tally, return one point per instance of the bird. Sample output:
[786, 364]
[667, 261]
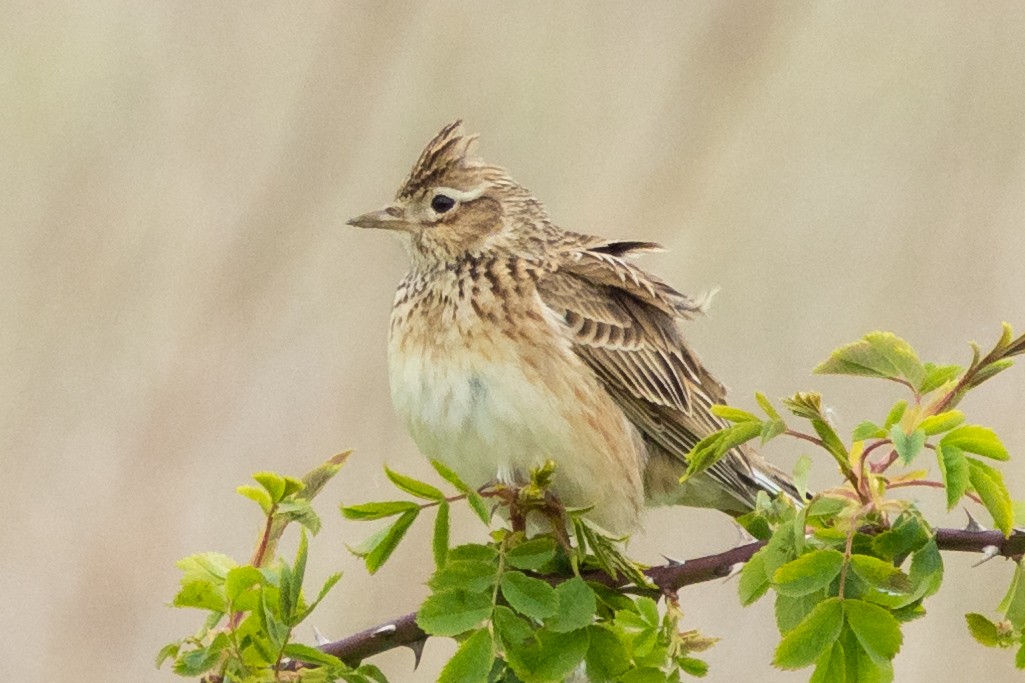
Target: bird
[513, 342]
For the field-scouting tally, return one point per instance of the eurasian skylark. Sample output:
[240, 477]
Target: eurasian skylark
[514, 341]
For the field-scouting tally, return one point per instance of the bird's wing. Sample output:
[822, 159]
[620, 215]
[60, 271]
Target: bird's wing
[622, 322]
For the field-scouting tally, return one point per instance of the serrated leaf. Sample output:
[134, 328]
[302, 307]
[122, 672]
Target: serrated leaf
[808, 573]
[731, 414]
[369, 511]
[377, 548]
[908, 534]
[607, 656]
[831, 667]
[414, 487]
[468, 575]
[712, 448]
[976, 439]
[449, 613]
[791, 611]
[196, 662]
[257, 494]
[169, 651]
[529, 596]
[647, 674]
[802, 468]
[808, 640]
[907, 445]
[1013, 604]
[472, 662]
[938, 375]
[926, 572]
[1019, 658]
[895, 414]
[988, 482]
[299, 510]
[513, 628]
[692, 666]
[771, 429]
[240, 579]
[439, 541]
[552, 657]
[767, 407]
[867, 430]
[942, 422]
[200, 594]
[754, 580]
[880, 574]
[577, 605]
[474, 552]
[532, 554]
[450, 476]
[877, 354]
[954, 470]
[982, 629]
[806, 404]
[310, 655]
[876, 629]
[273, 483]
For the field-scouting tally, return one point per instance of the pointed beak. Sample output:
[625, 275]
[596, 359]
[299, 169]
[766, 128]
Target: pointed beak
[388, 218]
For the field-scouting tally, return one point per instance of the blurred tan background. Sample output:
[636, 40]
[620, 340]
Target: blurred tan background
[182, 304]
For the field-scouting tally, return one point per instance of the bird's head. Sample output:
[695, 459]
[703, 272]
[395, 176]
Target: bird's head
[453, 205]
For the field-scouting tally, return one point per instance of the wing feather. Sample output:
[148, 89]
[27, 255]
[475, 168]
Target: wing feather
[622, 322]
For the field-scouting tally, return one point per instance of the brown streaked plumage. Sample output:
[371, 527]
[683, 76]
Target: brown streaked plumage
[513, 341]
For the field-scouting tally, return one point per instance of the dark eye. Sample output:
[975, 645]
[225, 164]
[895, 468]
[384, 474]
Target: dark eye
[442, 203]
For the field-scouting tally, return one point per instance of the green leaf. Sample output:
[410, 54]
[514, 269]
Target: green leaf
[449, 613]
[926, 571]
[877, 354]
[551, 658]
[257, 494]
[895, 414]
[1019, 658]
[367, 511]
[767, 406]
[299, 510]
[607, 656]
[731, 414]
[310, 655]
[802, 468]
[240, 579]
[942, 422]
[472, 662]
[712, 448]
[791, 611]
[414, 487]
[376, 549]
[771, 429]
[528, 596]
[475, 500]
[754, 579]
[205, 567]
[201, 595]
[867, 430]
[954, 469]
[196, 662]
[908, 534]
[532, 554]
[439, 542]
[169, 651]
[907, 445]
[831, 667]
[812, 637]
[880, 574]
[806, 404]
[1013, 604]
[273, 483]
[976, 439]
[577, 605]
[479, 507]
[474, 552]
[860, 665]
[648, 674]
[876, 629]
[983, 630]
[513, 628]
[988, 482]
[808, 573]
[938, 375]
[469, 575]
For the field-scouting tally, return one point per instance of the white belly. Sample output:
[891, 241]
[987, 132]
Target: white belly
[491, 420]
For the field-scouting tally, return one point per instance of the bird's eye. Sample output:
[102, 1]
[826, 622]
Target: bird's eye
[442, 203]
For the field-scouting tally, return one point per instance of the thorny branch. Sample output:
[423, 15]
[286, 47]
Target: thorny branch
[404, 631]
